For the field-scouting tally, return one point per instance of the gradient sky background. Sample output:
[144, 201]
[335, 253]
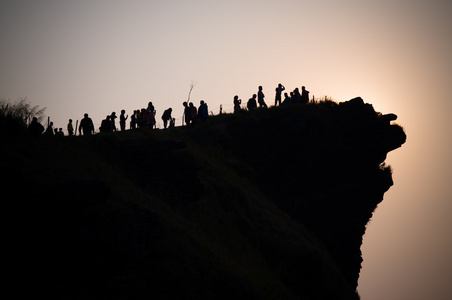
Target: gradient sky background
[106, 55]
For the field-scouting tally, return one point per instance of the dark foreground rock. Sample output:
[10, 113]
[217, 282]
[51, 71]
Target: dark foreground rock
[256, 205]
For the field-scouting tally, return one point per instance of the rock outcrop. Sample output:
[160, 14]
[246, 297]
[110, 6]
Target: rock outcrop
[265, 204]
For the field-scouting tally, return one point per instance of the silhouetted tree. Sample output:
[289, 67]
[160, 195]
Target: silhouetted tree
[192, 85]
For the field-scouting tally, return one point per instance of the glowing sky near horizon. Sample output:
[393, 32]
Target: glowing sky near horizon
[100, 56]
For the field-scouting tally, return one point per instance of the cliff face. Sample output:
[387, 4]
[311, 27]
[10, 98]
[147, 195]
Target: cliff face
[324, 166]
[265, 204]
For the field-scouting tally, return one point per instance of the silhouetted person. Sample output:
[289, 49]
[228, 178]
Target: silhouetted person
[133, 120]
[70, 128]
[296, 98]
[260, 98]
[122, 120]
[187, 114]
[142, 118]
[287, 100]
[252, 104]
[304, 95]
[237, 103]
[279, 89]
[113, 117]
[49, 130]
[150, 115]
[35, 128]
[166, 117]
[172, 123]
[86, 125]
[60, 132]
[105, 125]
[203, 111]
[193, 113]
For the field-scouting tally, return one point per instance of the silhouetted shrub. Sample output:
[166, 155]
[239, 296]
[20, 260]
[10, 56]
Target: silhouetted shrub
[15, 117]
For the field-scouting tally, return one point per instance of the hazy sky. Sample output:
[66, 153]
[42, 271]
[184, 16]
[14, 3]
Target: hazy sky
[102, 56]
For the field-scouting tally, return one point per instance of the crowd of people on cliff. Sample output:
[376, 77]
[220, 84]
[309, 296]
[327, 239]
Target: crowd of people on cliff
[295, 97]
[145, 117]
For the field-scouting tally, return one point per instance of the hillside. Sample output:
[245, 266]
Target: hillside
[268, 204]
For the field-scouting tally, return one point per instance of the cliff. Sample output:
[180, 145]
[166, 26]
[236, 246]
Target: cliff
[271, 203]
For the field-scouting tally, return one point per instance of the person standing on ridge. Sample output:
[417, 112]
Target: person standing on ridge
[86, 125]
[105, 125]
[113, 117]
[304, 95]
[279, 89]
[133, 120]
[122, 120]
[49, 131]
[187, 114]
[237, 103]
[203, 111]
[260, 98]
[296, 98]
[70, 128]
[142, 118]
[193, 113]
[150, 116]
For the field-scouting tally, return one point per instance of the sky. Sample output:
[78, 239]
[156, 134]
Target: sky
[100, 56]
